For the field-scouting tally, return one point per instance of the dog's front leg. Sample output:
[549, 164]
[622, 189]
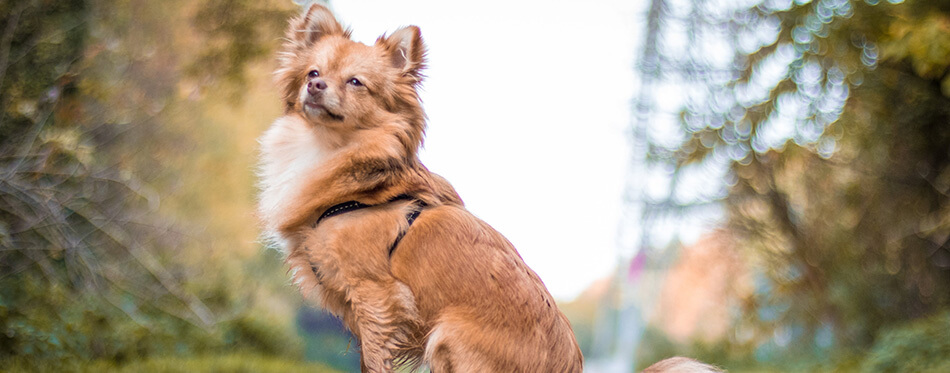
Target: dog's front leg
[375, 321]
[364, 368]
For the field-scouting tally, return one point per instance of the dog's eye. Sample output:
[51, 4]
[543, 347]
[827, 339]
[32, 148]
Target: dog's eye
[313, 73]
[355, 82]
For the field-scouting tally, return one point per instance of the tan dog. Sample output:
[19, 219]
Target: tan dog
[378, 239]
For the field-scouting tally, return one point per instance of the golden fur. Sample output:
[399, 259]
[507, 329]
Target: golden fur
[680, 364]
[455, 294]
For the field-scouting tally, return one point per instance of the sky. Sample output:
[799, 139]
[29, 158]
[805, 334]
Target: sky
[529, 106]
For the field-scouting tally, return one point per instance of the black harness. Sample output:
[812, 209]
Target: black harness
[356, 205]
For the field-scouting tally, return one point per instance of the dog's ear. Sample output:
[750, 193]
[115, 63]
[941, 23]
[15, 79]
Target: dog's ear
[314, 24]
[406, 51]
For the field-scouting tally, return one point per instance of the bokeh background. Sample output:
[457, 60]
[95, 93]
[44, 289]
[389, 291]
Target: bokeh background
[763, 185]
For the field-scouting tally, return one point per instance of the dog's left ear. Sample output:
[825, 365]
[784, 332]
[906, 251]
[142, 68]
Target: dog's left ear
[406, 51]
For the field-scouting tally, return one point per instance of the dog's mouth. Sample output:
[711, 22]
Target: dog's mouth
[316, 108]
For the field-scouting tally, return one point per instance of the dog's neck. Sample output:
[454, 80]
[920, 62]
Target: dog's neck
[404, 139]
[294, 147]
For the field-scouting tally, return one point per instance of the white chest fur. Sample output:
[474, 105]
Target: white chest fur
[290, 150]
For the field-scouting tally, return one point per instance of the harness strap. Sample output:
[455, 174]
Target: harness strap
[356, 205]
[410, 217]
[340, 209]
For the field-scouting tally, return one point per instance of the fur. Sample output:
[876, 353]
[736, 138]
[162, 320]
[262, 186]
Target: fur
[681, 365]
[455, 294]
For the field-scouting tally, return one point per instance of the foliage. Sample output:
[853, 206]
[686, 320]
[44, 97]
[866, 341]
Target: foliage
[856, 238]
[213, 363]
[104, 252]
[659, 348]
[833, 121]
[920, 346]
[327, 340]
[738, 358]
[237, 33]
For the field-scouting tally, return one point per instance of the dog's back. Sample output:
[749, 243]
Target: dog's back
[484, 309]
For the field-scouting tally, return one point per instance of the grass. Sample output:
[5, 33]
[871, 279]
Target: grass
[236, 363]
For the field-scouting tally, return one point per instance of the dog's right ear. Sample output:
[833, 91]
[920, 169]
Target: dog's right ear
[314, 24]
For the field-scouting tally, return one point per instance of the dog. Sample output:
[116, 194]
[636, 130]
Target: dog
[378, 239]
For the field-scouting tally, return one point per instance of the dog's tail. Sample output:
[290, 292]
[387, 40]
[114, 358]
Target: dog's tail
[681, 365]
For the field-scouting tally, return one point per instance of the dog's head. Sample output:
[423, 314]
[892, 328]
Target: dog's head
[335, 82]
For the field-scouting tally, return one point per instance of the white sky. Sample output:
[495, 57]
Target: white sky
[528, 104]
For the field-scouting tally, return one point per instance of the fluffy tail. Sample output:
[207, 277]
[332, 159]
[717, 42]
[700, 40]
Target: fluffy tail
[681, 365]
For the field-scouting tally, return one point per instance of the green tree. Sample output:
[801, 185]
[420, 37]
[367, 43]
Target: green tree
[99, 101]
[833, 121]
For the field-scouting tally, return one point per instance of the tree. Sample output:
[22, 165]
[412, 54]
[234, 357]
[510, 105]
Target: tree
[91, 261]
[832, 119]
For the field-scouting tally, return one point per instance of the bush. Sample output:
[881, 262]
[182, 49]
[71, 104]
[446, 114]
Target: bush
[920, 346]
[223, 363]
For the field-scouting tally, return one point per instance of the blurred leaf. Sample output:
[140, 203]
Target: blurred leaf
[836, 134]
[101, 255]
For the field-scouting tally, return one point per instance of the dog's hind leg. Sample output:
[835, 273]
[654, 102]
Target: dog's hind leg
[445, 354]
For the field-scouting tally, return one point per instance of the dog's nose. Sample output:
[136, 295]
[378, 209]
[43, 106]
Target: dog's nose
[316, 85]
